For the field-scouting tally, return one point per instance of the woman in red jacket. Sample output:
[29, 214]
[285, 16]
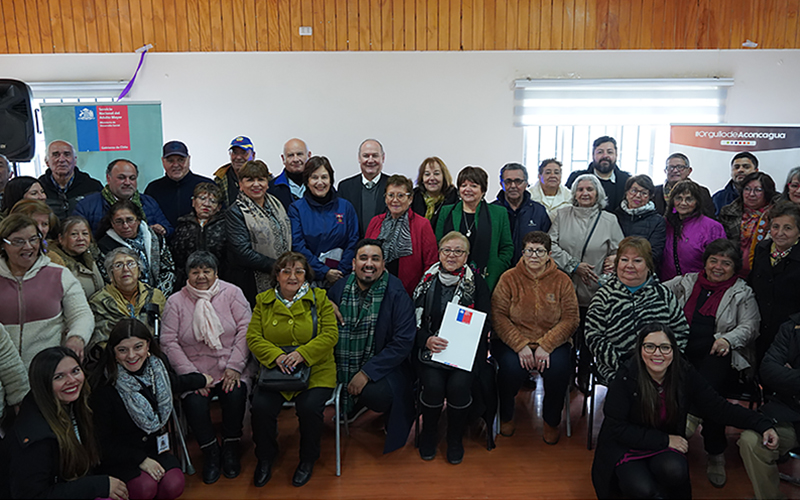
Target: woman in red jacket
[409, 244]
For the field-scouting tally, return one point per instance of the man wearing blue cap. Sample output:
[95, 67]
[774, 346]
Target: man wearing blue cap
[241, 151]
[173, 192]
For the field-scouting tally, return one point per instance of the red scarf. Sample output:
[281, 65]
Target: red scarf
[712, 303]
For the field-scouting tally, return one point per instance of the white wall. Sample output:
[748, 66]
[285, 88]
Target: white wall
[456, 105]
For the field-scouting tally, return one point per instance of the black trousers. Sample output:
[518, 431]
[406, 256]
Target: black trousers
[512, 375]
[665, 475]
[377, 396]
[717, 371]
[198, 414]
[309, 406]
[441, 383]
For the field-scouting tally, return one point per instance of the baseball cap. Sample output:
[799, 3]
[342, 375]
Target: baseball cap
[175, 148]
[242, 142]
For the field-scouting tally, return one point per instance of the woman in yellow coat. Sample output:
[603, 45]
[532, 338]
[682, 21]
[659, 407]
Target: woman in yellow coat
[284, 318]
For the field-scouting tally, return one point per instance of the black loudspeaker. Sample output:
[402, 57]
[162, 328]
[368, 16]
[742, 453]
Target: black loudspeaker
[17, 137]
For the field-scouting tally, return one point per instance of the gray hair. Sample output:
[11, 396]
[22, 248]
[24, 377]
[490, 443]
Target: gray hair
[795, 172]
[513, 166]
[201, 258]
[602, 199]
[454, 235]
[681, 157]
[113, 254]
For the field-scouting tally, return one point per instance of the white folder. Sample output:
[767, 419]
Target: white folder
[462, 328]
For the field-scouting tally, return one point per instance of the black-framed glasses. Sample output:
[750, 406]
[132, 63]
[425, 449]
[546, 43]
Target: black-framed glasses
[452, 251]
[650, 348]
[639, 192]
[679, 168]
[131, 264]
[19, 242]
[530, 252]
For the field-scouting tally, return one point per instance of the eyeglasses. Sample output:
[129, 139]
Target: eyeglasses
[397, 196]
[530, 252]
[206, 199]
[131, 264]
[297, 272]
[514, 182]
[639, 192]
[672, 168]
[129, 221]
[681, 199]
[452, 251]
[755, 190]
[794, 186]
[650, 348]
[19, 242]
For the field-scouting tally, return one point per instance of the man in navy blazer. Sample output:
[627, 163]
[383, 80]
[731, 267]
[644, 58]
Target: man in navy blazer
[366, 190]
[383, 383]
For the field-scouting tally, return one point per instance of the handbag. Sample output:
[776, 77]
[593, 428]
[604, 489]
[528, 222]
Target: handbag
[273, 379]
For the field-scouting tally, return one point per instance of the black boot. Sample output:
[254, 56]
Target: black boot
[231, 465]
[456, 422]
[429, 436]
[211, 463]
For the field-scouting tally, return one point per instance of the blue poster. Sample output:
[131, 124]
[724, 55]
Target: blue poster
[86, 125]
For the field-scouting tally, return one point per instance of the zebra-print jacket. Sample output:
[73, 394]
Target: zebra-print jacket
[616, 315]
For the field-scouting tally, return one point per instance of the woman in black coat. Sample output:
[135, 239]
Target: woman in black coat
[641, 446]
[52, 447]
[638, 216]
[132, 404]
[776, 273]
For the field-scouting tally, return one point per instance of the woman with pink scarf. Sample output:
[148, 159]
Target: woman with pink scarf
[204, 330]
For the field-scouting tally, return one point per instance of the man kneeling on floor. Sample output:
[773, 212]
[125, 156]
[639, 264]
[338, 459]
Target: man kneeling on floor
[375, 340]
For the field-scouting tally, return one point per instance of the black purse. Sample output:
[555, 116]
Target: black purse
[273, 379]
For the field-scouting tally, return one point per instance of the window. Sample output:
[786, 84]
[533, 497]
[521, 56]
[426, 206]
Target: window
[62, 92]
[561, 118]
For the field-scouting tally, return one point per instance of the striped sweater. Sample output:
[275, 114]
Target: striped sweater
[615, 316]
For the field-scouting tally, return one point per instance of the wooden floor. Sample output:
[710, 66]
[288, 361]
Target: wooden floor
[522, 466]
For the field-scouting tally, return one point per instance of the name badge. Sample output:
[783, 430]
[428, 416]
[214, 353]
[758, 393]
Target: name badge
[162, 443]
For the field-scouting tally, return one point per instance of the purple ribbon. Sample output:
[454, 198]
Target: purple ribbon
[130, 83]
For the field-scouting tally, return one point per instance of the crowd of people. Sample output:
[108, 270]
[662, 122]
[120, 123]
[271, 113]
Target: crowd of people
[120, 307]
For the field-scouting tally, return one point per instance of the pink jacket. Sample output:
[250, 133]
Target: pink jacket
[423, 241]
[186, 353]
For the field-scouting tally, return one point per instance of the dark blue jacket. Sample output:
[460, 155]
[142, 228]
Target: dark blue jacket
[94, 207]
[175, 198]
[725, 196]
[319, 228]
[530, 216]
[395, 333]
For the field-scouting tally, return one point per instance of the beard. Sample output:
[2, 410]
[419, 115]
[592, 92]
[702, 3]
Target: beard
[604, 167]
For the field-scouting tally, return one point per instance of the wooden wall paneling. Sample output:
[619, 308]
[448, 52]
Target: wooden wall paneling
[670, 13]
[284, 26]
[398, 25]
[556, 25]
[229, 31]
[211, 30]
[467, 25]
[707, 26]
[792, 19]
[250, 24]
[686, 34]
[353, 35]
[56, 26]
[362, 9]
[432, 25]
[504, 24]
[643, 30]
[34, 35]
[579, 30]
[523, 25]
[193, 24]
[490, 24]
[777, 28]
[568, 23]
[656, 24]
[272, 42]
[444, 25]
[258, 25]
[135, 20]
[305, 18]
[614, 10]
[546, 35]
[43, 28]
[19, 19]
[91, 19]
[477, 26]
[114, 29]
[319, 39]
[68, 19]
[420, 25]
[387, 33]
[535, 22]
[592, 19]
[341, 25]
[148, 23]
[8, 29]
[509, 33]
[325, 21]
[171, 29]
[375, 25]
[455, 25]
[625, 16]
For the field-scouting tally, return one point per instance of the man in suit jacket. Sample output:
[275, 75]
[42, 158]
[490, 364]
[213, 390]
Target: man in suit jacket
[366, 190]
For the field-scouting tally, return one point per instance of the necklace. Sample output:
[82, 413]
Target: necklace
[469, 228]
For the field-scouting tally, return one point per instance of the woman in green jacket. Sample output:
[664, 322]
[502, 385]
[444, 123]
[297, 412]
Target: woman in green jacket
[485, 226]
[292, 315]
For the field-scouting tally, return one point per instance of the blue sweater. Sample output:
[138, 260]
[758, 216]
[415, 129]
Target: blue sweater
[319, 228]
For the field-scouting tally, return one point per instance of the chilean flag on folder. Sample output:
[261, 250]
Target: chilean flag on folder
[464, 316]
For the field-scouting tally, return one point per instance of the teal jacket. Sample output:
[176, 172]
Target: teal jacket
[501, 247]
